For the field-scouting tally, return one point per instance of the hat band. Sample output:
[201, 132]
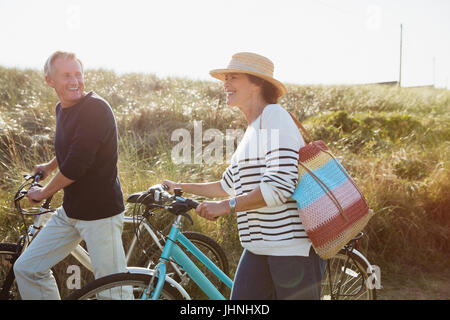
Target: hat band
[244, 67]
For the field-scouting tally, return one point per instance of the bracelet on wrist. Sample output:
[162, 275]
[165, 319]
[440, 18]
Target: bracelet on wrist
[232, 204]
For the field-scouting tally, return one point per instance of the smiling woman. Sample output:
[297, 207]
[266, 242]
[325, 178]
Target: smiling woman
[278, 261]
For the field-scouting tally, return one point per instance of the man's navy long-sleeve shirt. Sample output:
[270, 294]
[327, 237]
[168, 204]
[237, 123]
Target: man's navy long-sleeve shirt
[86, 151]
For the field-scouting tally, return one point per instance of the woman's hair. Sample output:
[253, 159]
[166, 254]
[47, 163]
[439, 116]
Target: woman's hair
[269, 92]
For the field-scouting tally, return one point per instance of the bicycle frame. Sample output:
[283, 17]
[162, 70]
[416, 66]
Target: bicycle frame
[79, 253]
[156, 240]
[172, 250]
[82, 256]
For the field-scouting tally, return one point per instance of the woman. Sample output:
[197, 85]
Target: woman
[278, 261]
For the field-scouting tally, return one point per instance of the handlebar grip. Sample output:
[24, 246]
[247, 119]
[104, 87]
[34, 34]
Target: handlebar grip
[165, 195]
[38, 176]
[191, 203]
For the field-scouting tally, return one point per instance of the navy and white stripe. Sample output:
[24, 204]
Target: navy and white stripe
[275, 229]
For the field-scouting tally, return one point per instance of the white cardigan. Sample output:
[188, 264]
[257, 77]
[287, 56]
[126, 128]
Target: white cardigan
[267, 156]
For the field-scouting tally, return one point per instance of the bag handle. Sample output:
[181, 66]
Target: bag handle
[324, 187]
[300, 126]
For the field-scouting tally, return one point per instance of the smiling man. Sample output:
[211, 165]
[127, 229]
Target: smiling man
[86, 156]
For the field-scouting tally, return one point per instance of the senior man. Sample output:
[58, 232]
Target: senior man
[86, 156]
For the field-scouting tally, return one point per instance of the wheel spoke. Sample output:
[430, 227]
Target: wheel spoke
[345, 278]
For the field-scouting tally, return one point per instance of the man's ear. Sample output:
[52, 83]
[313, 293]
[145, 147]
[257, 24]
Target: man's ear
[49, 81]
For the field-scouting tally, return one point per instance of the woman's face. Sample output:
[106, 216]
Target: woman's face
[239, 89]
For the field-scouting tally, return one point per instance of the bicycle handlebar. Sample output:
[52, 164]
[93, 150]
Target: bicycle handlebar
[157, 197]
[31, 181]
[192, 204]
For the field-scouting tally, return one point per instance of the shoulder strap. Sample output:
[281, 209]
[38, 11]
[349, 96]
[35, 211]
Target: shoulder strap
[299, 125]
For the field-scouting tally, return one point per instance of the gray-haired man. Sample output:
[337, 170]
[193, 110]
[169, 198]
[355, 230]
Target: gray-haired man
[86, 155]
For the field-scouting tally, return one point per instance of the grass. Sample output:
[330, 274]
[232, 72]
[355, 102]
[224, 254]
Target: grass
[394, 141]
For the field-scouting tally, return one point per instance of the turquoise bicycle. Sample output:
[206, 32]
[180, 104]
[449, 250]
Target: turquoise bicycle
[148, 284]
[347, 276]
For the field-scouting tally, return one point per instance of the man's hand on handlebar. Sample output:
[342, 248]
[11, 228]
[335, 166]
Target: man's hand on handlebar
[35, 194]
[46, 168]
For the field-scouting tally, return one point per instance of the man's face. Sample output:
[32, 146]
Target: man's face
[67, 80]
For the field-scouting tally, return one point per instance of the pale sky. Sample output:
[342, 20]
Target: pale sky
[310, 41]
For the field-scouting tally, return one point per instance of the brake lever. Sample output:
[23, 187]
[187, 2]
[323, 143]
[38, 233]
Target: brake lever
[180, 209]
[184, 214]
[21, 194]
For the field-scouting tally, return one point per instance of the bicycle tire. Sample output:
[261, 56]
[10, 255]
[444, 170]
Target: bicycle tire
[100, 287]
[209, 247]
[7, 253]
[353, 278]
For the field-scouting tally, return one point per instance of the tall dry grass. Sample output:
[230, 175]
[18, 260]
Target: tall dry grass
[394, 141]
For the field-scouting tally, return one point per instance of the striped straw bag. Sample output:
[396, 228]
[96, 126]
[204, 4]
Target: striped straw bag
[331, 207]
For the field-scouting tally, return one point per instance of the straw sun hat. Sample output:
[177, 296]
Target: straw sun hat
[251, 63]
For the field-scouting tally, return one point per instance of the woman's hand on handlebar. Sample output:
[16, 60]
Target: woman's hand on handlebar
[211, 210]
[171, 185]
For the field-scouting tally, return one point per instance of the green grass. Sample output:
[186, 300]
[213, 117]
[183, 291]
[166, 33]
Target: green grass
[394, 141]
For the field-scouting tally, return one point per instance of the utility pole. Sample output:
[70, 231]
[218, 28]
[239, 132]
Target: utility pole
[400, 73]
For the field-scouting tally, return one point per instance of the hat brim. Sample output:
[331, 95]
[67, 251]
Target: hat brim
[220, 74]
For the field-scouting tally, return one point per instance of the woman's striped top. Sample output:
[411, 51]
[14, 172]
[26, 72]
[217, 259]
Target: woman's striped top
[267, 156]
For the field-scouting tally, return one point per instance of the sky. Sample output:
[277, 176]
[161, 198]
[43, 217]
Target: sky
[309, 41]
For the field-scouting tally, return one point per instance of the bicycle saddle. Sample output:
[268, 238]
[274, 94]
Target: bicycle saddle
[133, 198]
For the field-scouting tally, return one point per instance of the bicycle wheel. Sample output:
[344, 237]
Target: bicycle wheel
[8, 286]
[209, 247]
[346, 278]
[7, 253]
[122, 286]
